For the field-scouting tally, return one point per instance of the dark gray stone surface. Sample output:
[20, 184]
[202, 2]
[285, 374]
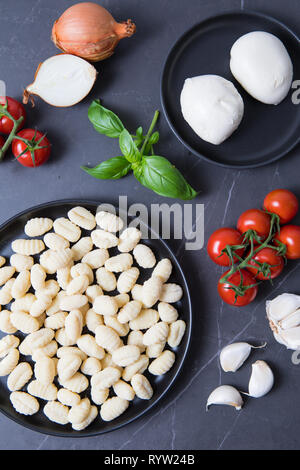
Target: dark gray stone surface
[129, 83]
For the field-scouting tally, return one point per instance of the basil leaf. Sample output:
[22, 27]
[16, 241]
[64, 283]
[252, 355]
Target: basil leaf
[139, 133]
[104, 121]
[128, 147]
[158, 174]
[154, 138]
[113, 168]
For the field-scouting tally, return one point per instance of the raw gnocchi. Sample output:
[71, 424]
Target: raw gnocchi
[38, 226]
[24, 403]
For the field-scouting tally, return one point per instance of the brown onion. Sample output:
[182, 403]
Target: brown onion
[89, 31]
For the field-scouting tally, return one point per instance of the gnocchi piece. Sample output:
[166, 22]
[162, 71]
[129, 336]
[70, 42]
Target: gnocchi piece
[49, 350]
[163, 269]
[135, 338]
[105, 378]
[107, 338]
[51, 288]
[124, 390]
[38, 226]
[56, 242]
[96, 258]
[147, 318]
[137, 293]
[28, 247]
[154, 350]
[74, 325]
[44, 391]
[21, 285]
[63, 277]
[5, 292]
[113, 322]
[158, 333]
[144, 256]
[62, 338]
[119, 263]
[137, 367]
[55, 305]
[5, 322]
[24, 303]
[106, 279]
[78, 285]
[80, 412]
[93, 320]
[82, 269]
[81, 248]
[92, 292]
[2, 261]
[73, 302]
[44, 370]
[57, 259]
[24, 322]
[68, 365]
[142, 387]
[56, 321]
[67, 229]
[19, 376]
[21, 262]
[152, 289]
[91, 366]
[127, 280]
[105, 305]
[129, 238]
[68, 398]
[103, 239]
[82, 217]
[88, 344]
[71, 350]
[91, 417]
[24, 403]
[162, 363]
[177, 330]
[130, 311]
[126, 355]
[7, 343]
[44, 258]
[9, 362]
[98, 395]
[38, 277]
[39, 338]
[78, 383]
[112, 408]
[171, 293]
[167, 312]
[109, 222]
[122, 299]
[6, 273]
[56, 412]
[40, 305]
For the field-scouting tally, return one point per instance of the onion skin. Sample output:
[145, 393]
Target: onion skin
[89, 31]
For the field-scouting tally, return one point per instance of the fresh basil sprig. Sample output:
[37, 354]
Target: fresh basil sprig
[152, 171]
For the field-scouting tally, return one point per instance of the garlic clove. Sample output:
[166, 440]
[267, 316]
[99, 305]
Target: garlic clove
[291, 337]
[62, 80]
[234, 355]
[290, 321]
[225, 395]
[282, 306]
[261, 380]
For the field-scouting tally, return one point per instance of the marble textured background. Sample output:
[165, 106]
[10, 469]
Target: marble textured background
[129, 82]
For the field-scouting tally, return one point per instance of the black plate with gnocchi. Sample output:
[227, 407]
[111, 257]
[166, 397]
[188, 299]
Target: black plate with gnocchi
[95, 321]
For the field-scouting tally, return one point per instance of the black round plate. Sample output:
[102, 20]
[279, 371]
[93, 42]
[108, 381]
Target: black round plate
[266, 132]
[13, 229]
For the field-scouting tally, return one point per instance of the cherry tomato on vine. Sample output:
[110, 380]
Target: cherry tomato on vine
[17, 110]
[2, 141]
[228, 294]
[270, 257]
[35, 151]
[282, 202]
[255, 219]
[218, 241]
[290, 236]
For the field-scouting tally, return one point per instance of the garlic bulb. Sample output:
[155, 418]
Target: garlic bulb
[284, 317]
[261, 380]
[233, 356]
[62, 80]
[225, 395]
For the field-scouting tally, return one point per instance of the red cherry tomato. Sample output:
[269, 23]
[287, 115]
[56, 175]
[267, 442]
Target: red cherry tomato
[269, 256]
[17, 110]
[257, 220]
[2, 141]
[218, 241]
[228, 295]
[283, 203]
[35, 154]
[290, 236]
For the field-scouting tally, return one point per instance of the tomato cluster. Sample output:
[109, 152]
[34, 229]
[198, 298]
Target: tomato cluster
[257, 248]
[30, 147]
